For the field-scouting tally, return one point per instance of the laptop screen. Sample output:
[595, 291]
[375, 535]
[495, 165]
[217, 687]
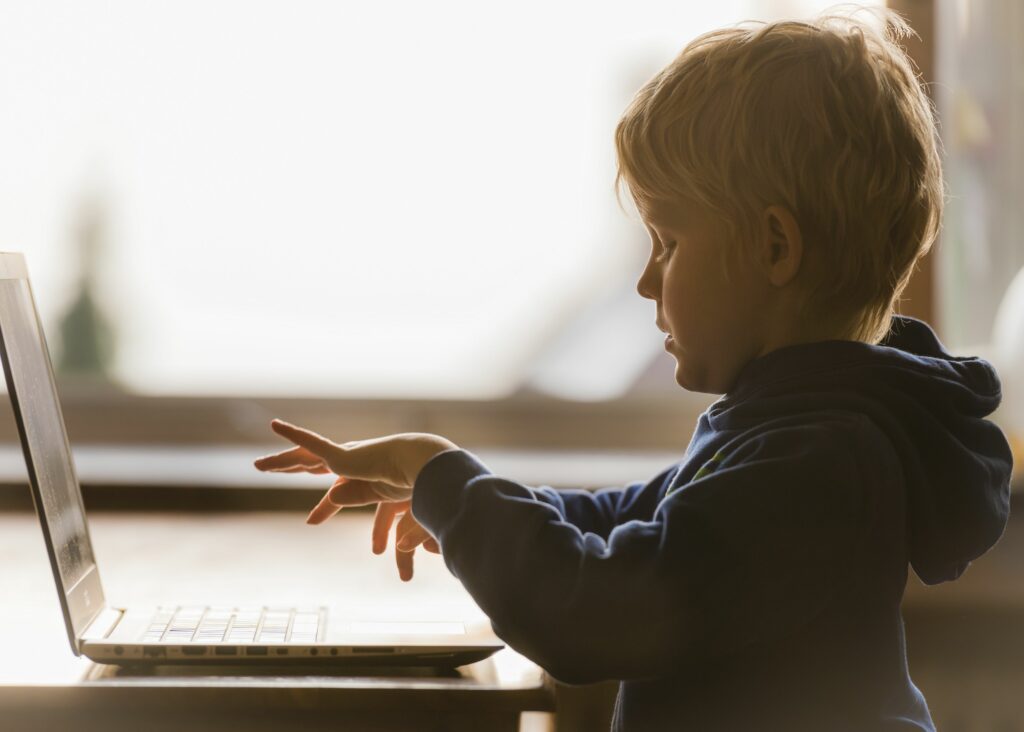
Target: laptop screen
[34, 397]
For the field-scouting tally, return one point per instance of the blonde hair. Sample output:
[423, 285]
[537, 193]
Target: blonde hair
[825, 117]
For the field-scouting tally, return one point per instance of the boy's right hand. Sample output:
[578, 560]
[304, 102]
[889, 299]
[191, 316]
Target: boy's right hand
[381, 470]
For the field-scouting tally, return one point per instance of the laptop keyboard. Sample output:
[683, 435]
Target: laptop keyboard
[199, 624]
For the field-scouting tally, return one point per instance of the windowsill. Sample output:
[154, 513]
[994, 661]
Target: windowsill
[662, 423]
[230, 466]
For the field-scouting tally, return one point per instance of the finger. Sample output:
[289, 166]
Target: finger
[323, 510]
[344, 492]
[353, 492]
[431, 546]
[411, 537]
[327, 506]
[319, 470]
[371, 459]
[404, 562]
[333, 500]
[408, 535]
[288, 459]
[315, 443]
[382, 523]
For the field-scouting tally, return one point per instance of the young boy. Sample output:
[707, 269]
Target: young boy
[789, 178]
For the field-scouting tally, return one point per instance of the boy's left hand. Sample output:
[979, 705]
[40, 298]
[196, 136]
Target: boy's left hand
[382, 470]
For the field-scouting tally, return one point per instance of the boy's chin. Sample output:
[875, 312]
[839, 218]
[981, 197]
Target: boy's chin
[682, 378]
[687, 381]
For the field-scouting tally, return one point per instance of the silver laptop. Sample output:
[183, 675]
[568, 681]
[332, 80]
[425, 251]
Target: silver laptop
[176, 634]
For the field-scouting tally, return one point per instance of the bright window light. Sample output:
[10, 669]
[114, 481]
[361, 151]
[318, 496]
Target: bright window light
[320, 198]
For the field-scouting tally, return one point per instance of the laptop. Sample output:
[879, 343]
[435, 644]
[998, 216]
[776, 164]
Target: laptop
[175, 633]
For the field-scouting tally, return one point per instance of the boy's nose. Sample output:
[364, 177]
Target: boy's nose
[643, 287]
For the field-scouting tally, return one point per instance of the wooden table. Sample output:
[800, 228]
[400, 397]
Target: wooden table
[959, 634]
[149, 558]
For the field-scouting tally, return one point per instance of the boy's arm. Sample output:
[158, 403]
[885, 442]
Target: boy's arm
[599, 511]
[748, 552]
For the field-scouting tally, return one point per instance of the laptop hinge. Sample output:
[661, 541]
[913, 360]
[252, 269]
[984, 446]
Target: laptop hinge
[102, 624]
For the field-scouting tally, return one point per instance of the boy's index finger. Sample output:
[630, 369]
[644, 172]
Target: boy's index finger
[313, 442]
[357, 459]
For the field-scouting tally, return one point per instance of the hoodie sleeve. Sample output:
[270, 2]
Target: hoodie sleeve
[599, 511]
[743, 554]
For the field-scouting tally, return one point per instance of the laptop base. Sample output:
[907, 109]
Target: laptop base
[289, 655]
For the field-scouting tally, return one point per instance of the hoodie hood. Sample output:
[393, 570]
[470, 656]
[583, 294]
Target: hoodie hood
[932, 406]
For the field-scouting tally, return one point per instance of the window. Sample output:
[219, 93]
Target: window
[328, 200]
[980, 93]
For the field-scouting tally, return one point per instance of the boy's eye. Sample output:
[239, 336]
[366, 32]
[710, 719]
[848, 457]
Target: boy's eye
[666, 248]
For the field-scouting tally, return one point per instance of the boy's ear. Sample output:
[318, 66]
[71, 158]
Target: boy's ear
[783, 248]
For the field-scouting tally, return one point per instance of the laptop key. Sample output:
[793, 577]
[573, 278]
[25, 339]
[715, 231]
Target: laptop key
[216, 624]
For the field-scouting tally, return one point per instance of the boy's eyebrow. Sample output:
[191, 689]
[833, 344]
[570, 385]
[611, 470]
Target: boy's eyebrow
[657, 220]
[659, 225]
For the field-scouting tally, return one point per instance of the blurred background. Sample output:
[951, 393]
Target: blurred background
[382, 217]
[335, 201]
[331, 201]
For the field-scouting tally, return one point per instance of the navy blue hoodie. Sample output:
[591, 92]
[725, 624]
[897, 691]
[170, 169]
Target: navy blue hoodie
[756, 584]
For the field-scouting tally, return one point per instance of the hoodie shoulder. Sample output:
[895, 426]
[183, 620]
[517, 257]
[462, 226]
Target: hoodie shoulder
[931, 408]
[794, 507]
[803, 467]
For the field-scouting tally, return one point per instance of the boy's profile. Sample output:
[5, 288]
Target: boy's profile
[789, 177]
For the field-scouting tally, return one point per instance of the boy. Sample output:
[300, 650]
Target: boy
[789, 178]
